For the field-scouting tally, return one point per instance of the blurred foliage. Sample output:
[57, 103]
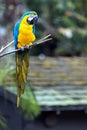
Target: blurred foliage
[3, 122]
[64, 19]
[56, 16]
[29, 105]
[7, 69]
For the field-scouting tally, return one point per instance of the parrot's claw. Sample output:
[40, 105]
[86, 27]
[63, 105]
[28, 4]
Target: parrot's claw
[22, 48]
[27, 47]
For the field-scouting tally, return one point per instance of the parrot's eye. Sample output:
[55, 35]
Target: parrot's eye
[32, 19]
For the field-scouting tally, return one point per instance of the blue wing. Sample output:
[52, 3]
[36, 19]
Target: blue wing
[15, 33]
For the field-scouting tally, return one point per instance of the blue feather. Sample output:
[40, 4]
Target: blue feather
[27, 13]
[16, 32]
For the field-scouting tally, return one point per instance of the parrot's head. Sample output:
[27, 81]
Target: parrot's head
[30, 17]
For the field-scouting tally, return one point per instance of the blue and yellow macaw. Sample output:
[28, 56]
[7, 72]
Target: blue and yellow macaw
[24, 35]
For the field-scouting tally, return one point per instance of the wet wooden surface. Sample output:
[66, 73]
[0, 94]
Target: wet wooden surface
[55, 81]
[51, 71]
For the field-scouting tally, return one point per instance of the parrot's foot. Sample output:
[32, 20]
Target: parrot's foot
[27, 47]
[22, 48]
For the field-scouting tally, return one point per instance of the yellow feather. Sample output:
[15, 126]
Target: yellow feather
[26, 35]
[22, 64]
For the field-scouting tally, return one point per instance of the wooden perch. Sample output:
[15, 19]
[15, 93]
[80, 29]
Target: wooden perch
[42, 40]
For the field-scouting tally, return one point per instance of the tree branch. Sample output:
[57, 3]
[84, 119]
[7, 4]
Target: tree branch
[3, 48]
[42, 40]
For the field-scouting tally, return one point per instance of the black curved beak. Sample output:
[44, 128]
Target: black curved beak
[32, 19]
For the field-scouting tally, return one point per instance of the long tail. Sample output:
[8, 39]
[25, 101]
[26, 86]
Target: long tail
[22, 64]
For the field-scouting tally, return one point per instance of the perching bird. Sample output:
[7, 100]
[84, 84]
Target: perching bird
[24, 35]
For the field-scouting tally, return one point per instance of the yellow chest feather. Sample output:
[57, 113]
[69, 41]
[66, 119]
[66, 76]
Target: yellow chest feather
[26, 35]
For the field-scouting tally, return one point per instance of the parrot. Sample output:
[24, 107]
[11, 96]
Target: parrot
[24, 35]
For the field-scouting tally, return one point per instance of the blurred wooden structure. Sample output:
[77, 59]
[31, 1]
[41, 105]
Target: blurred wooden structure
[58, 83]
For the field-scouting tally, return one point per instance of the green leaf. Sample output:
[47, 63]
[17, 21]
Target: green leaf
[30, 106]
[3, 122]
